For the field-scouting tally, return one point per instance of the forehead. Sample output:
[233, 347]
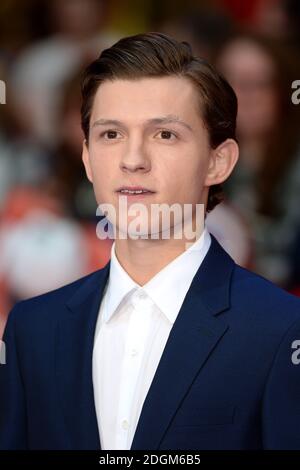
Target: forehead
[147, 97]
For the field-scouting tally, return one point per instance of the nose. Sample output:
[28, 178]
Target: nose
[135, 157]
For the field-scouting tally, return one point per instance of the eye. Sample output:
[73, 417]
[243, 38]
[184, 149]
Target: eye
[167, 135]
[110, 134]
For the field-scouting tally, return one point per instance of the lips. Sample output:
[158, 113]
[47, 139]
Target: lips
[134, 190]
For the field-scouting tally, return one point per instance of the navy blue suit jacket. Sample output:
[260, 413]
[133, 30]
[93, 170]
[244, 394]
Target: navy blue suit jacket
[226, 379]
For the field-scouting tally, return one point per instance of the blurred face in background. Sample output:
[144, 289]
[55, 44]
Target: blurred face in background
[251, 72]
[77, 18]
[70, 133]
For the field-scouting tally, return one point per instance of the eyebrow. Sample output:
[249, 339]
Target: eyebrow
[169, 119]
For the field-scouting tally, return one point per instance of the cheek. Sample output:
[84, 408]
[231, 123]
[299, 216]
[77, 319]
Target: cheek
[189, 184]
[184, 160]
[101, 182]
[196, 168]
[101, 167]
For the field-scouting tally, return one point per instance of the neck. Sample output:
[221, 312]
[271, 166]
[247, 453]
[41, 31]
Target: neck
[142, 259]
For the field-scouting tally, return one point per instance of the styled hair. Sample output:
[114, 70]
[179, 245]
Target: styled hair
[158, 55]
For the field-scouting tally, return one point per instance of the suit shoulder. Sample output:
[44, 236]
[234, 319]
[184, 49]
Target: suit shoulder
[50, 304]
[258, 295]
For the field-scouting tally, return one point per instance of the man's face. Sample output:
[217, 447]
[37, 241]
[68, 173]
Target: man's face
[148, 133]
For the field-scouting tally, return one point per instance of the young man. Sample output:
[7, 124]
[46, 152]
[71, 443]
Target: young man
[171, 345]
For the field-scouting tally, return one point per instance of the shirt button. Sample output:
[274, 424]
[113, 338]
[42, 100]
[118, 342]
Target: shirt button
[134, 352]
[141, 295]
[125, 425]
[138, 297]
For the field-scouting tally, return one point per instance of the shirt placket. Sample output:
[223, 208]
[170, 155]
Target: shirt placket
[138, 330]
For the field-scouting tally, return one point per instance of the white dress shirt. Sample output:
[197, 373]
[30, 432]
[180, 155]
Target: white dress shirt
[132, 329]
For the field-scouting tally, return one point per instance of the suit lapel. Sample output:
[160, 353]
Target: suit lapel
[74, 362]
[194, 335]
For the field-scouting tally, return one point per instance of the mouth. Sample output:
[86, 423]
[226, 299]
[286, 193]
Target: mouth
[134, 191]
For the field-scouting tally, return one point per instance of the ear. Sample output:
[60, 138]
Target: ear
[222, 161]
[86, 160]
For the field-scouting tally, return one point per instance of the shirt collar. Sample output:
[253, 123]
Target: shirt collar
[167, 289]
[119, 286]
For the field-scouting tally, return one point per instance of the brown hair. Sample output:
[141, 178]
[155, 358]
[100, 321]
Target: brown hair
[158, 55]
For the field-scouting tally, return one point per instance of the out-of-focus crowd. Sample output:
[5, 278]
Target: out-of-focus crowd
[47, 207]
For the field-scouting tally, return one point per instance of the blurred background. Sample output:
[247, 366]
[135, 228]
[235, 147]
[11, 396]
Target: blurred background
[47, 207]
